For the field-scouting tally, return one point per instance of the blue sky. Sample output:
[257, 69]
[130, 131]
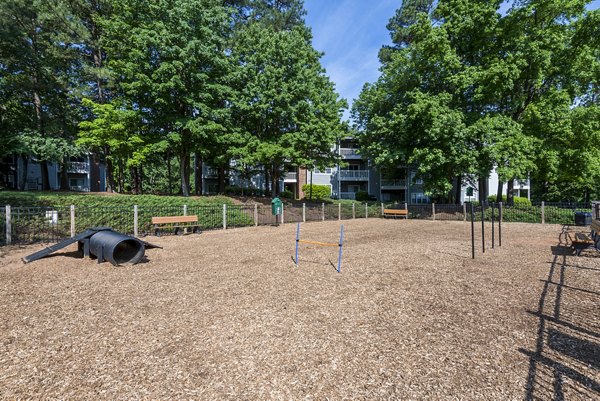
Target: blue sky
[350, 33]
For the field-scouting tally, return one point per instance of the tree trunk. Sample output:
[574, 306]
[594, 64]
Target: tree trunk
[197, 174]
[458, 190]
[184, 172]
[110, 171]
[274, 185]
[64, 176]
[482, 189]
[509, 192]
[499, 191]
[45, 175]
[169, 174]
[23, 179]
[221, 179]
[266, 180]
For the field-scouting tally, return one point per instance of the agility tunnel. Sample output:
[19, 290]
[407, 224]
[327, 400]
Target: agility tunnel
[103, 243]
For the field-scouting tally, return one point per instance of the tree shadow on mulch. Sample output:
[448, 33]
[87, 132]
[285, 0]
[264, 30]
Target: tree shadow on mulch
[315, 262]
[566, 358]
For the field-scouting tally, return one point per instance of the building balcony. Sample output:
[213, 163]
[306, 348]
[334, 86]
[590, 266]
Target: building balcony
[290, 176]
[348, 195]
[350, 153]
[393, 184]
[211, 173]
[354, 175]
[78, 167]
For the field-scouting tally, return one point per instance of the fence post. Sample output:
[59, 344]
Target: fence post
[224, 216]
[72, 221]
[304, 212]
[405, 206]
[382, 208]
[135, 220]
[433, 210]
[185, 214]
[465, 211]
[8, 226]
[366, 210]
[323, 211]
[353, 210]
[339, 211]
[543, 213]
[255, 214]
[282, 213]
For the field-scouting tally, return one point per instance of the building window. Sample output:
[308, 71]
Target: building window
[418, 197]
[414, 180]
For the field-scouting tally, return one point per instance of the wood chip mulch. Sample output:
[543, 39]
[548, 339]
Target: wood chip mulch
[228, 315]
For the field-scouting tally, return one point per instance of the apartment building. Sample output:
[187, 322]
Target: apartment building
[84, 174]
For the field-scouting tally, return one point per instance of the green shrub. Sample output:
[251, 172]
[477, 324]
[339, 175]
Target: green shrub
[362, 196]
[517, 200]
[287, 194]
[318, 191]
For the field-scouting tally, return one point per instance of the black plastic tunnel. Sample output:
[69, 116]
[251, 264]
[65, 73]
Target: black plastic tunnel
[117, 248]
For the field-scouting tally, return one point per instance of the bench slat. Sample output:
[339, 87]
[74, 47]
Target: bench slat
[395, 211]
[175, 219]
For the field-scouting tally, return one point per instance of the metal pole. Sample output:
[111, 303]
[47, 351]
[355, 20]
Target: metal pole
[8, 226]
[323, 211]
[185, 214]
[339, 211]
[224, 216]
[353, 210]
[72, 221]
[492, 225]
[472, 231]
[500, 224]
[482, 227]
[341, 246]
[297, 241]
[382, 208]
[255, 214]
[433, 210]
[304, 212]
[135, 221]
[366, 210]
[543, 213]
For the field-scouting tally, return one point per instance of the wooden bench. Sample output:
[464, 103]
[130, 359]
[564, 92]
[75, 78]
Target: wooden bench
[177, 223]
[583, 240]
[395, 213]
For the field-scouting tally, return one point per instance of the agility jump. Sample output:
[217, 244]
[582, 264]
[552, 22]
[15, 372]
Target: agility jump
[304, 241]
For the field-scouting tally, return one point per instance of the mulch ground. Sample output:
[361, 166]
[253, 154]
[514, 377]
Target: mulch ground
[228, 315]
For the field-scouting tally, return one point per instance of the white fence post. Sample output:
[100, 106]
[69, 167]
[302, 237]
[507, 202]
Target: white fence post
[543, 212]
[72, 221]
[339, 211]
[282, 220]
[382, 208]
[366, 210]
[304, 212]
[323, 211]
[405, 206]
[224, 216]
[8, 226]
[255, 214]
[353, 210]
[185, 214]
[464, 212]
[135, 221]
[433, 210]
[500, 212]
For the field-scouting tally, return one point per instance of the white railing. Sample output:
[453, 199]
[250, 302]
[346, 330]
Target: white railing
[211, 172]
[78, 167]
[400, 183]
[348, 195]
[354, 174]
[289, 176]
[350, 152]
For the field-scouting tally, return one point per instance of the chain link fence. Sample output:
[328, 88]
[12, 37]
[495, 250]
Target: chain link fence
[25, 225]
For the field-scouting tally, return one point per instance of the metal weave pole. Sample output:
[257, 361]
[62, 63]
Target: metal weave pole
[483, 227]
[492, 225]
[297, 242]
[500, 224]
[472, 232]
[341, 246]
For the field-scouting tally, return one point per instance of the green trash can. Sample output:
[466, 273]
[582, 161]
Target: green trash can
[276, 206]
